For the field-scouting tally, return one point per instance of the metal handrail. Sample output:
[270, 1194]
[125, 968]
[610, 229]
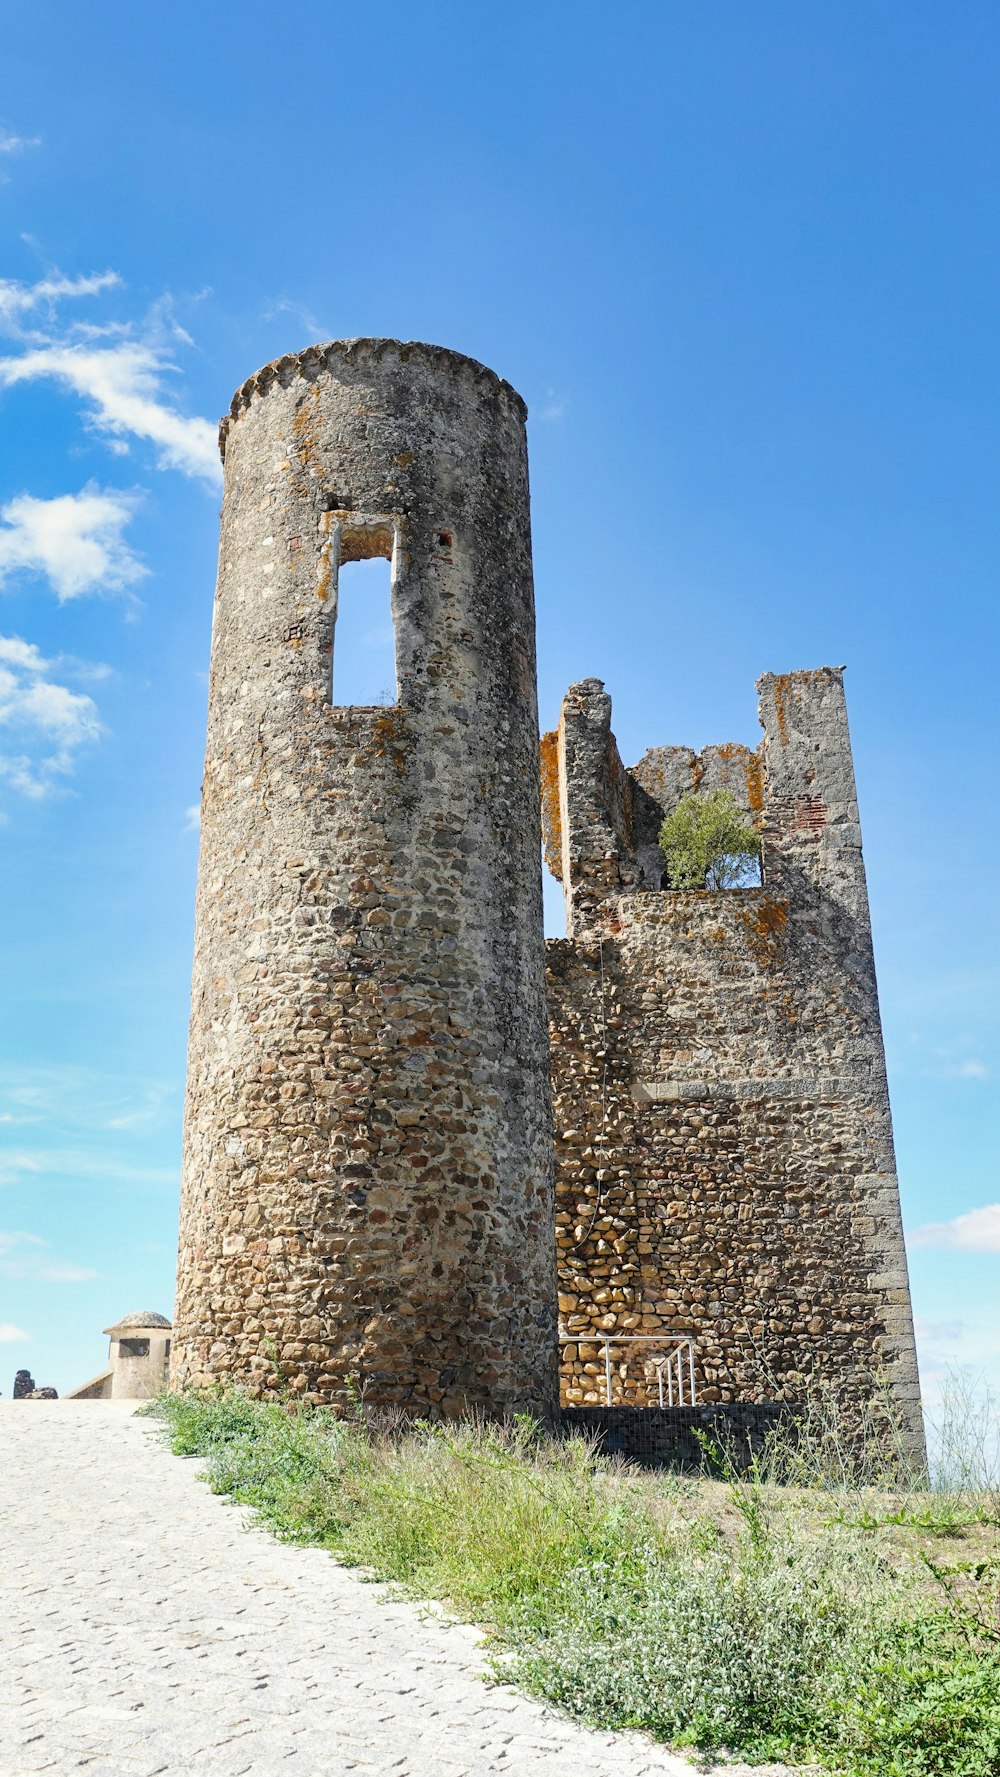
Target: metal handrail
[672, 1361]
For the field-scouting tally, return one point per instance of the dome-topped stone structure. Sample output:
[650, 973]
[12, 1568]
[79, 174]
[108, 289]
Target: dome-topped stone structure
[137, 1360]
[139, 1355]
[143, 1317]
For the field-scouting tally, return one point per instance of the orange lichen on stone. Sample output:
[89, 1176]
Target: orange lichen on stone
[785, 685]
[302, 426]
[771, 916]
[389, 737]
[551, 811]
[755, 782]
[752, 767]
[781, 684]
[765, 922]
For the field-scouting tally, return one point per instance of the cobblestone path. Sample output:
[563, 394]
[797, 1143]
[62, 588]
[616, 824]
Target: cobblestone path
[146, 1629]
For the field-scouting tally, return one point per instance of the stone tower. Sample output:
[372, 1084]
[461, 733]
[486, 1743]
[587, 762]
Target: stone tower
[724, 1154]
[367, 1185]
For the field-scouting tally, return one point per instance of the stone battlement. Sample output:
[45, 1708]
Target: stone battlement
[308, 363]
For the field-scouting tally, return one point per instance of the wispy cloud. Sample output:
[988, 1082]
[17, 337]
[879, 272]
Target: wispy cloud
[74, 1098]
[82, 1164]
[119, 369]
[975, 1231]
[937, 1332]
[60, 1271]
[949, 1065]
[75, 540]
[10, 143]
[552, 409]
[124, 385]
[44, 721]
[192, 818]
[12, 1335]
[960, 1361]
[286, 305]
[27, 1255]
[18, 302]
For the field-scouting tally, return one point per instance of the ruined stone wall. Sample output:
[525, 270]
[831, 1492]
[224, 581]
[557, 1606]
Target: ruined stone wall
[724, 1159]
[367, 1185]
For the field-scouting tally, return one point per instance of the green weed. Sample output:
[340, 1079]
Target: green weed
[737, 1614]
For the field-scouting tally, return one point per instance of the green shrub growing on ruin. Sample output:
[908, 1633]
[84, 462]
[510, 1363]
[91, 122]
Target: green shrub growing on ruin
[707, 844]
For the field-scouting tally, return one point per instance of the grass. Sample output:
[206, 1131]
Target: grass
[813, 1610]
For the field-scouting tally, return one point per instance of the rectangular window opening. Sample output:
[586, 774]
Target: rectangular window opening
[731, 870]
[734, 870]
[364, 639]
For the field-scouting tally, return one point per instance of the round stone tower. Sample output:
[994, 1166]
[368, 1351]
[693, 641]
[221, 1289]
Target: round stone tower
[367, 1194]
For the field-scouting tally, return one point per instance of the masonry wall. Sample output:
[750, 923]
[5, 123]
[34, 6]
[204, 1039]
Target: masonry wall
[367, 1186]
[670, 1437]
[724, 1159]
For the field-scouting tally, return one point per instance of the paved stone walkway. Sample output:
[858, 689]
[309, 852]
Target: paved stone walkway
[146, 1629]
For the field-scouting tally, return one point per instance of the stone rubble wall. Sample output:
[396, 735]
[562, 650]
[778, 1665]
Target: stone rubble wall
[367, 1184]
[724, 1159]
[656, 1437]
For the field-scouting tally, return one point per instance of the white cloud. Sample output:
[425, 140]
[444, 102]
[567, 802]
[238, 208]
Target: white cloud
[62, 1272]
[20, 300]
[937, 1332]
[192, 818]
[10, 1334]
[950, 1064]
[27, 1255]
[118, 368]
[82, 1165]
[552, 409]
[13, 1239]
[11, 143]
[285, 305]
[75, 540]
[73, 1098]
[44, 721]
[976, 1231]
[124, 384]
[14, 144]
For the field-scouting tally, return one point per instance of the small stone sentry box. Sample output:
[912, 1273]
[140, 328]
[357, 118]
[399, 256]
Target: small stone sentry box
[366, 1204]
[138, 1356]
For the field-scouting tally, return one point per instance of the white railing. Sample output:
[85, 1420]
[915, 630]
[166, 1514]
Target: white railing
[674, 1366]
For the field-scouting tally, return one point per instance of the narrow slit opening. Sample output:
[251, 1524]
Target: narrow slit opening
[553, 902]
[364, 640]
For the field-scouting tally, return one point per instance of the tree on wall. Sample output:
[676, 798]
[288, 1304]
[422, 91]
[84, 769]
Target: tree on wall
[707, 844]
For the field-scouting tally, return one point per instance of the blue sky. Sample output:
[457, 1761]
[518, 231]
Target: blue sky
[742, 264]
